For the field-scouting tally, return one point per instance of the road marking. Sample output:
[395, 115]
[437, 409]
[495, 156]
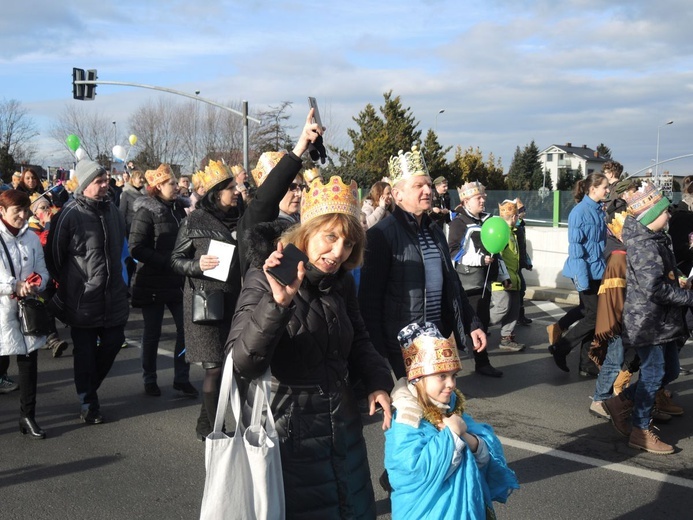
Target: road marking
[160, 351]
[598, 463]
[554, 311]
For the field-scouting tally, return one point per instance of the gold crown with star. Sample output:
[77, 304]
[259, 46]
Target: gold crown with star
[405, 165]
[161, 174]
[214, 173]
[426, 351]
[331, 197]
[265, 163]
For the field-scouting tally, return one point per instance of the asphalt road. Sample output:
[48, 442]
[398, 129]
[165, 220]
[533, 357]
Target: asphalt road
[145, 462]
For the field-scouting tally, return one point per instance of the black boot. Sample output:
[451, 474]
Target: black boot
[27, 425]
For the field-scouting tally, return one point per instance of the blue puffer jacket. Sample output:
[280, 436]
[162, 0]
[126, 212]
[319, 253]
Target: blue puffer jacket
[586, 241]
[653, 309]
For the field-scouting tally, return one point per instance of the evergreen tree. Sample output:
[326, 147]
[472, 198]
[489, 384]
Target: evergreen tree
[604, 151]
[434, 155]
[525, 171]
[469, 165]
[567, 178]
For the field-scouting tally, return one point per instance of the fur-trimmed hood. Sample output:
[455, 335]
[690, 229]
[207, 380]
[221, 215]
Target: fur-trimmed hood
[262, 239]
[157, 206]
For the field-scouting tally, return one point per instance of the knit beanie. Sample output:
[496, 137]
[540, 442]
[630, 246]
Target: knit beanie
[646, 203]
[86, 171]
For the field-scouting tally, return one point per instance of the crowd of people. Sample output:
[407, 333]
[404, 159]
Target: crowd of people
[389, 291]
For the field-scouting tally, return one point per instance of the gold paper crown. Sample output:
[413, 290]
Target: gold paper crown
[35, 197]
[71, 184]
[642, 199]
[405, 165]
[236, 169]
[310, 174]
[520, 205]
[265, 163]
[161, 174]
[616, 224]
[428, 355]
[507, 208]
[332, 197]
[470, 189]
[214, 173]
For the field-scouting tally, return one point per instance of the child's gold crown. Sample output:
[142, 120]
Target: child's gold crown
[332, 197]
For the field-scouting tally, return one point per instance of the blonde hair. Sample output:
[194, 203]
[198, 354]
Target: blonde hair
[348, 225]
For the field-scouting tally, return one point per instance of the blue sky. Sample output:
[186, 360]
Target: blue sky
[506, 72]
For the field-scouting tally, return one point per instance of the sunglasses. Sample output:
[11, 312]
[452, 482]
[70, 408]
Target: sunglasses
[296, 186]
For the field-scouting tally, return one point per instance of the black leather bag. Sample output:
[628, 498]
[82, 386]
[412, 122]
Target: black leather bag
[207, 305]
[34, 318]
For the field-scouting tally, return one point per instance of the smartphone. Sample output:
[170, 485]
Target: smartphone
[287, 271]
[313, 103]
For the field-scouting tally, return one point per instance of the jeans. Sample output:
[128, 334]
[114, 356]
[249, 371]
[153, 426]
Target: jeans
[610, 369]
[93, 360]
[659, 365]
[153, 317]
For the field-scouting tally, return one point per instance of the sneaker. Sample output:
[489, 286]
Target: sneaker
[524, 320]
[622, 381]
[7, 385]
[619, 409]
[554, 331]
[508, 343]
[125, 344]
[58, 348]
[597, 409]
[648, 441]
[186, 388]
[664, 403]
[91, 417]
[152, 389]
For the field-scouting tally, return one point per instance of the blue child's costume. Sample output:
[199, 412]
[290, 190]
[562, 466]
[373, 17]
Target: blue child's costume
[433, 473]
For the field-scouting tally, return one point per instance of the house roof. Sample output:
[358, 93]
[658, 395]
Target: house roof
[581, 151]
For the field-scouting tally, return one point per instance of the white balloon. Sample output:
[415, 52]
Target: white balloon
[119, 152]
[80, 154]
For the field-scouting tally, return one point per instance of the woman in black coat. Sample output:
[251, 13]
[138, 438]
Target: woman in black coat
[311, 335]
[155, 285]
[215, 218]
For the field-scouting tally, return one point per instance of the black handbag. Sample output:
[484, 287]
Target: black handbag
[34, 318]
[207, 305]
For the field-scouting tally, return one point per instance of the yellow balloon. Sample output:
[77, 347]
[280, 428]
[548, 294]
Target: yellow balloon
[133, 139]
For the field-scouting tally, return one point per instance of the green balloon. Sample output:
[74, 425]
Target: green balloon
[72, 142]
[495, 234]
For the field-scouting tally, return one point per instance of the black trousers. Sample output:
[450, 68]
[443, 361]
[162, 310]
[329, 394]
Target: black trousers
[482, 306]
[582, 333]
[95, 351]
[28, 380]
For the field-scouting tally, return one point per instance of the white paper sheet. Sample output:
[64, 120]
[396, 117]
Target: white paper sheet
[224, 252]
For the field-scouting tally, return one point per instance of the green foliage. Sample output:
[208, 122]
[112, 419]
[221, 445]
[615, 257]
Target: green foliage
[469, 165]
[525, 173]
[434, 155]
[568, 178]
[604, 151]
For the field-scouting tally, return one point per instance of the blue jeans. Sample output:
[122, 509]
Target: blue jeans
[153, 316]
[610, 369]
[659, 365]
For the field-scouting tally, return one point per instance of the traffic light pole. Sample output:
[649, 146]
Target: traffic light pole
[243, 114]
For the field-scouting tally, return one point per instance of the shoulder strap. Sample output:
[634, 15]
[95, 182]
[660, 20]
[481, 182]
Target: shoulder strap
[9, 258]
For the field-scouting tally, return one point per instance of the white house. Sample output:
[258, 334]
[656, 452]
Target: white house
[559, 158]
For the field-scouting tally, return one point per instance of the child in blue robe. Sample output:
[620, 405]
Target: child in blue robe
[441, 464]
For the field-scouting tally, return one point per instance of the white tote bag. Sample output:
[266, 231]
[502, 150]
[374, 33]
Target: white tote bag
[244, 473]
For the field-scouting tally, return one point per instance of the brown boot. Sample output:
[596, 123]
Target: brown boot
[664, 403]
[619, 409]
[555, 333]
[647, 440]
[622, 381]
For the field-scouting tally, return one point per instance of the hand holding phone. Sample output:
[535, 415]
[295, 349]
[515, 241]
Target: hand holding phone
[282, 267]
[317, 148]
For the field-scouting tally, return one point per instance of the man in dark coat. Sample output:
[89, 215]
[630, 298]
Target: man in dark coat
[84, 250]
[407, 275]
[440, 202]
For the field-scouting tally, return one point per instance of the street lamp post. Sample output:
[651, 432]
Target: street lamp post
[657, 157]
[439, 112]
[194, 164]
[115, 142]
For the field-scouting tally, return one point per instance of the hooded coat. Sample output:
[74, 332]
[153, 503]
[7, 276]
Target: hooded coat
[311, 347]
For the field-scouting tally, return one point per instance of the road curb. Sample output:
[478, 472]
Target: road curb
[551, 294]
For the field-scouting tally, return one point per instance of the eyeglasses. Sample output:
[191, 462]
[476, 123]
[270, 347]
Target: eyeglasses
[294, 186]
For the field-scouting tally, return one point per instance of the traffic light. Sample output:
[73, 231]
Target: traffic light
[77, 90]
[81, 91]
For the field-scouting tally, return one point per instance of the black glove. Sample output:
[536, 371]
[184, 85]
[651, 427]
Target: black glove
[317, 150]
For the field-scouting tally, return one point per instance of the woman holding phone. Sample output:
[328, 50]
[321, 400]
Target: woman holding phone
[306, 327]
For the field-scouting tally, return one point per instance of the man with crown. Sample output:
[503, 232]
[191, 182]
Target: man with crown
[407, 274]
[311, 336]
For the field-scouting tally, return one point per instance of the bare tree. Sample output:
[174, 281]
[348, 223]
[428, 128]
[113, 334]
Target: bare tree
[272, 134]
[17, 130]
[159, 127]
[94, 129]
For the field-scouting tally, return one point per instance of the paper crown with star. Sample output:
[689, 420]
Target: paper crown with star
[161, 174]
[471, 189]
[331, 197]
[646, 203]
[426, 352]
[405, 165]
[507, 208]
[265, 163]
[214, 173]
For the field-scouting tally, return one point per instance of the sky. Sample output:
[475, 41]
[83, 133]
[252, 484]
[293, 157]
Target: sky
[505, 72]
